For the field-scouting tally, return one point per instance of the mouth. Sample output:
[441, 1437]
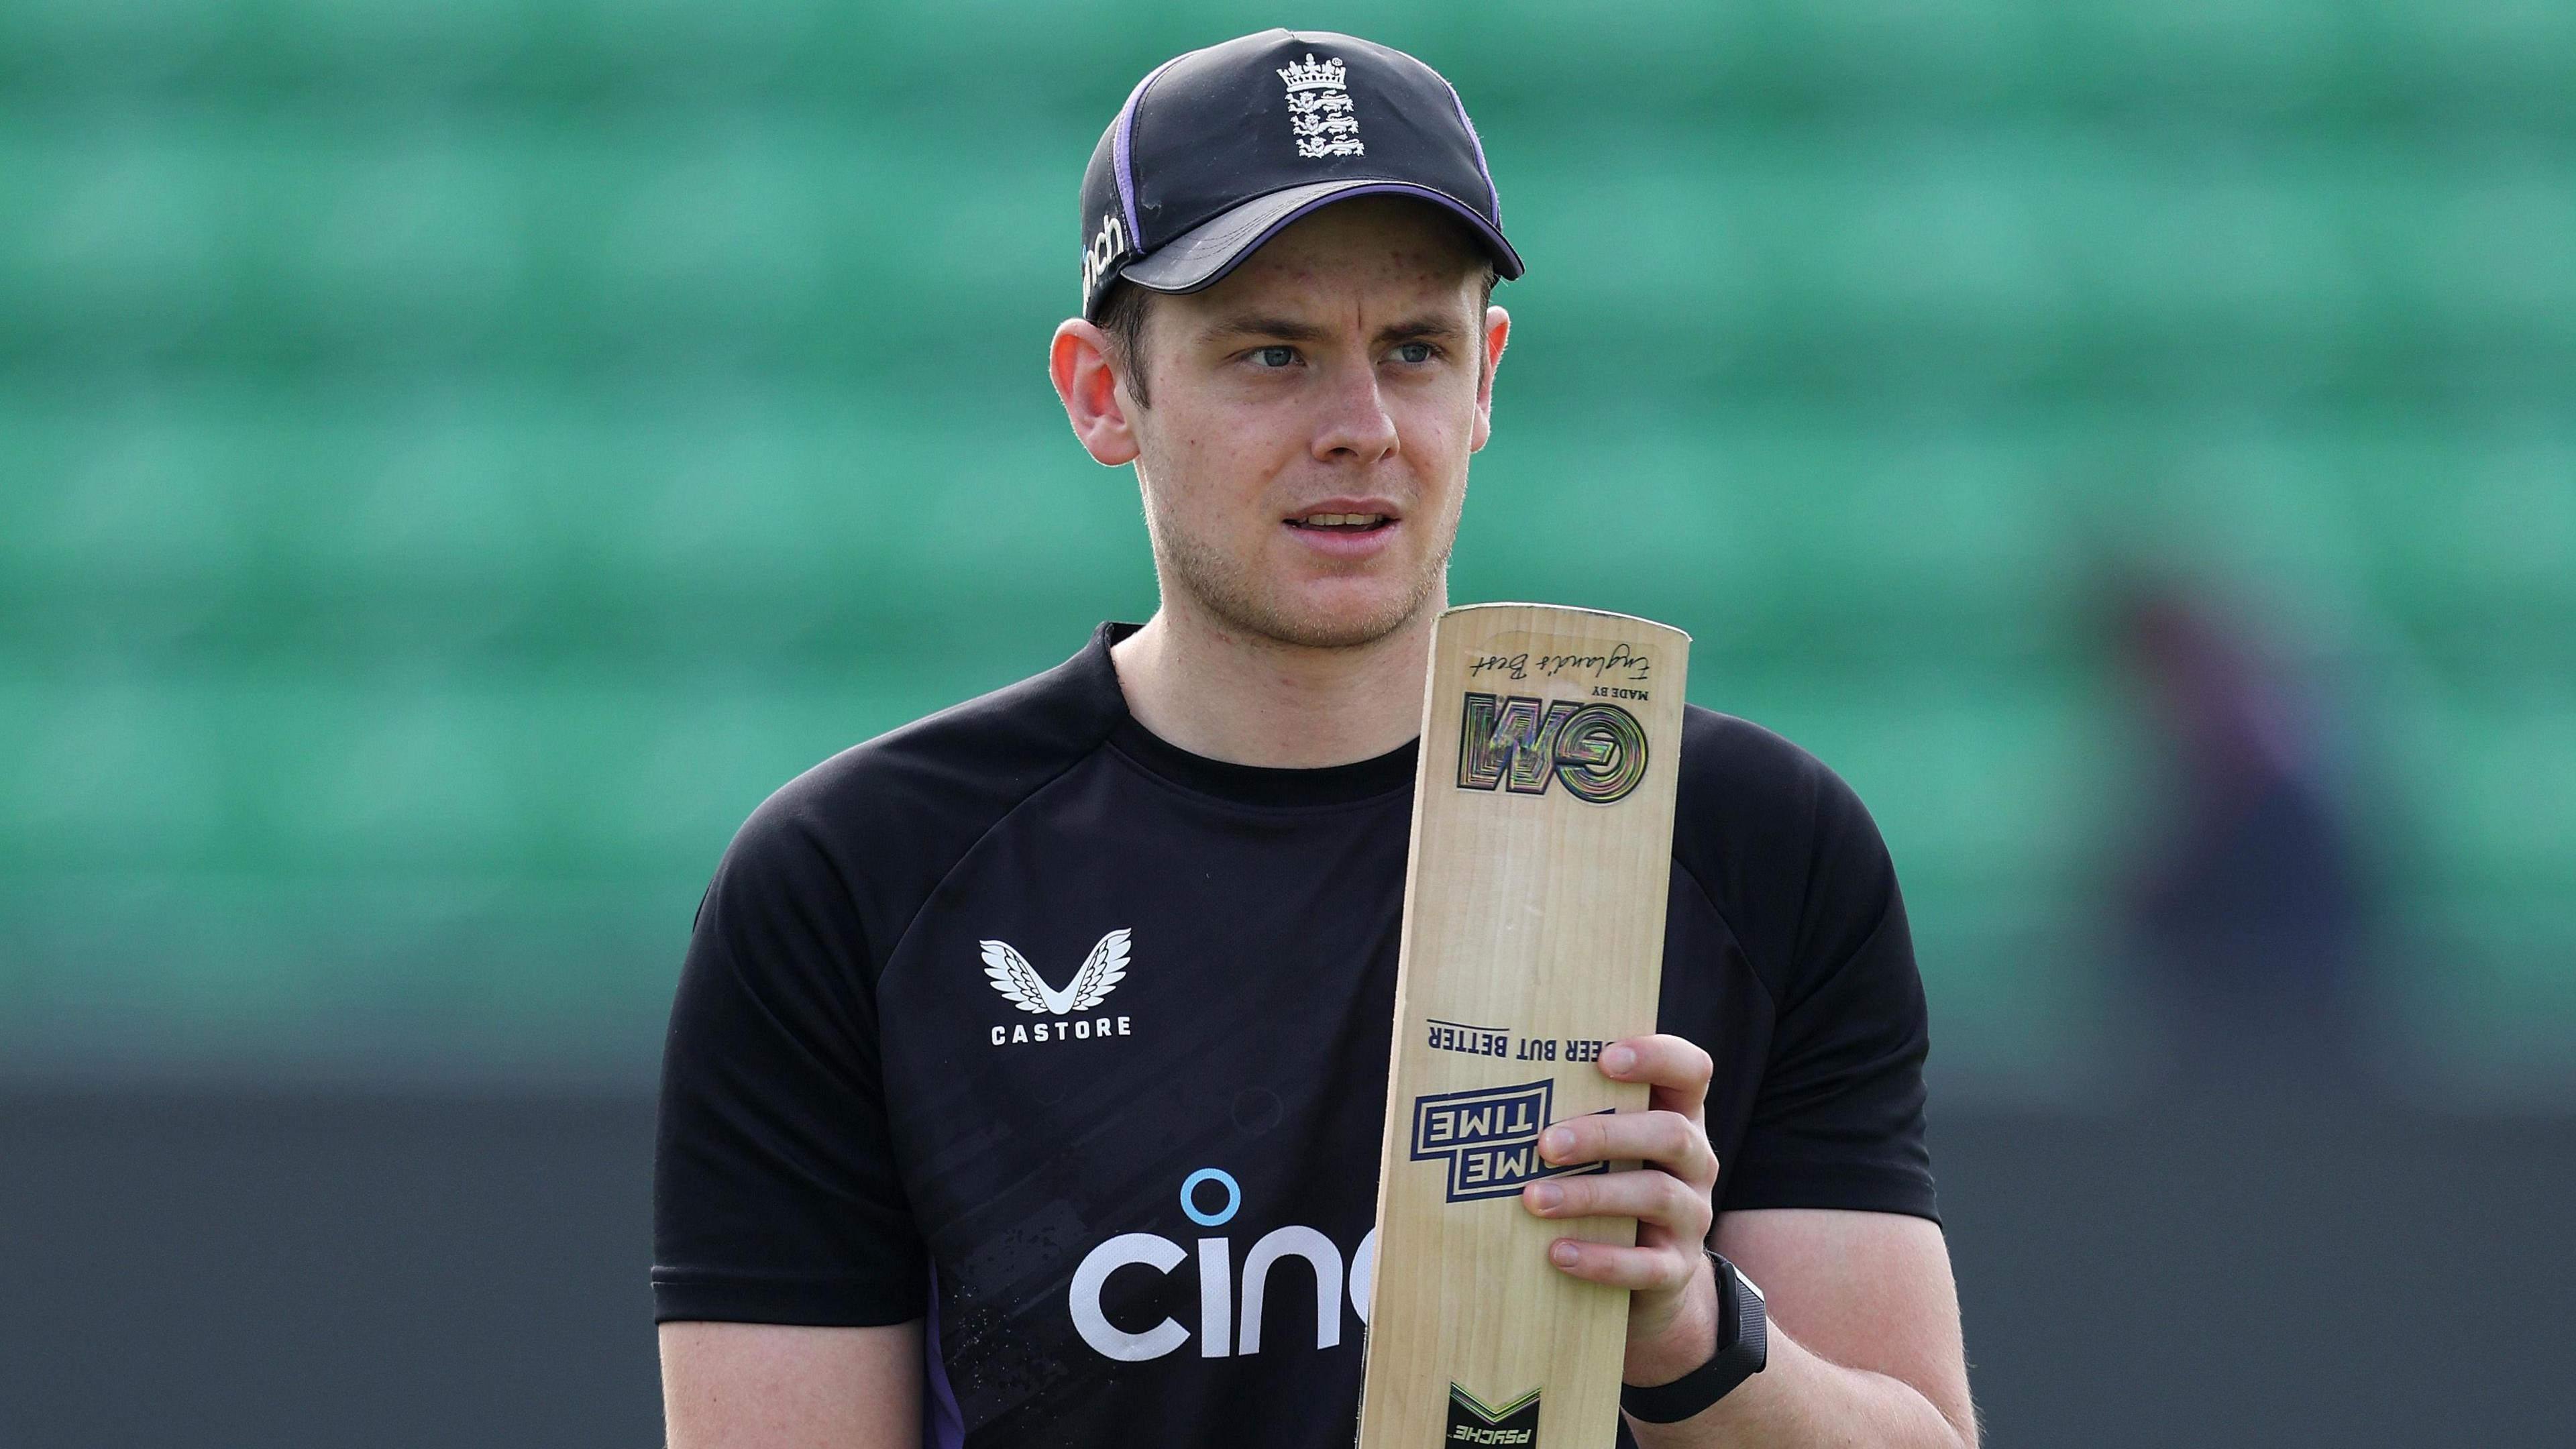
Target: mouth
[1341, 523]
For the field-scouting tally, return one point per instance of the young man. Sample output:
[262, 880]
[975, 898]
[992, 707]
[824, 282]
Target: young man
[910, 1190]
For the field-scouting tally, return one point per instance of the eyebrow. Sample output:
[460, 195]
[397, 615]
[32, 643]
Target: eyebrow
[1289, 329]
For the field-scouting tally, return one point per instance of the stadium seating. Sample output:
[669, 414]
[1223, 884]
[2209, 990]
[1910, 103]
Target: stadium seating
[455, 459]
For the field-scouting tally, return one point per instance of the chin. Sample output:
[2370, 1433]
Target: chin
[1334, 616]
[1297, 605]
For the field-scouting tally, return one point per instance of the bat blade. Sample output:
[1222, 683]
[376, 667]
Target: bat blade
[1533, 935]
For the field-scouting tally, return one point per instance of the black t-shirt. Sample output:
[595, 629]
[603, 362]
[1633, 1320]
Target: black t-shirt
[1022, 1020]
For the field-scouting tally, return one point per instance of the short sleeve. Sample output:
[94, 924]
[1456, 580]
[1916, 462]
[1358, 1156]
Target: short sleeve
[1838, 1120]
[776, 1197]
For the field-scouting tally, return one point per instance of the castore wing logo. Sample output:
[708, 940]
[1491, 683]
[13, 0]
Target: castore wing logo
[1020, 984]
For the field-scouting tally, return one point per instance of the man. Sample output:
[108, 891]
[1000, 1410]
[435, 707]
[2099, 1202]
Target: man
[911, 1190]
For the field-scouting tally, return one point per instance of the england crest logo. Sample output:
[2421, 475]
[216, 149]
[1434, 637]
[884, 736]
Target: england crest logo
[1319, 109]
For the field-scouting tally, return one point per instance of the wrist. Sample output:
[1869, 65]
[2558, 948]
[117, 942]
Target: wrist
[1742, 1350]
[1682, 1343]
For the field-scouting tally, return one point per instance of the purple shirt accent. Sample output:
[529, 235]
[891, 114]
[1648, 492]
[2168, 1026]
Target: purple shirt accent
[1492, 192]
[942, 1427]
[1120, 149]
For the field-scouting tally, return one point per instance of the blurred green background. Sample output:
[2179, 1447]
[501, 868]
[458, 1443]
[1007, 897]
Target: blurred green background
[456, 459]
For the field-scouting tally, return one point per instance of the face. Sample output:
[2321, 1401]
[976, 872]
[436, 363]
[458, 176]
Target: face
[1305, 454]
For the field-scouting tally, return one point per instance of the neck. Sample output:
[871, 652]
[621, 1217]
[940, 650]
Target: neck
[1220, 692]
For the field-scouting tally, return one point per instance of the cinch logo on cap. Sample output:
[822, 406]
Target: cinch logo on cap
[1107, 245]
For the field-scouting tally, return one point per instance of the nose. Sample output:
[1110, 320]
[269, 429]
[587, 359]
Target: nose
[1356, 426]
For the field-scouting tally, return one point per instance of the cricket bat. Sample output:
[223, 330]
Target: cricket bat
[1533, 936]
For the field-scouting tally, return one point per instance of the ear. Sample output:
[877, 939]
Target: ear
[1498, 330]
[1094, 402]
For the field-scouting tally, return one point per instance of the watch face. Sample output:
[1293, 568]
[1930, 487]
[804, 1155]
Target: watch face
[1750, 1286]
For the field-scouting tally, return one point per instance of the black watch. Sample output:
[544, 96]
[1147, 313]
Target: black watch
[1743, 1347]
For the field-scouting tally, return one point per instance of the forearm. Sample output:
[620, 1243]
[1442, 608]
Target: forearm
[775, 1386]
[1803, 1401]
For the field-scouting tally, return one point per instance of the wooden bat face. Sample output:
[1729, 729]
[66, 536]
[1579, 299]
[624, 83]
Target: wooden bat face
[1533, 935]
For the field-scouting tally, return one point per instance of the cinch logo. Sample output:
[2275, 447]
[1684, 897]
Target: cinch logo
[1471, 1422]
[1107, 245]
[1489, 1138]
[1220, 1334]
[1521, 744]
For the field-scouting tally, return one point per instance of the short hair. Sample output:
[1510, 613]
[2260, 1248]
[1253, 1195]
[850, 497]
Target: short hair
[1122, 317]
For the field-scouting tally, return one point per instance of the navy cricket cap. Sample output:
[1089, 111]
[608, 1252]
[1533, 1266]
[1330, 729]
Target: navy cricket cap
[1216, 150]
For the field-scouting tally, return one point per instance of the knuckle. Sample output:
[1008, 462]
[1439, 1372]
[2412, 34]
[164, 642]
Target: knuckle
[1684, 1201]
[1703, 1163]
[1656, 1199]
[1675, 1134]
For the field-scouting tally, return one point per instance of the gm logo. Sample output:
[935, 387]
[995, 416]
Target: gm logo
[1489, 1138]
[1521, 744]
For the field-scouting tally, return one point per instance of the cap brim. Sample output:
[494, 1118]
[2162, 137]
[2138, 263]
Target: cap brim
[1202, 255]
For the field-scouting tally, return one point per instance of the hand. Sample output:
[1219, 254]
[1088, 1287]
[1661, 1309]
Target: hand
[1672, 1313]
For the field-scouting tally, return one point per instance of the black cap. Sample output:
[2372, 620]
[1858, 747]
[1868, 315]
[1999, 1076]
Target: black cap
[1218, 149]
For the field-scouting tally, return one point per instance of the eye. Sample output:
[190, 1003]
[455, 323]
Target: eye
[1415, 352]
[1275, 356]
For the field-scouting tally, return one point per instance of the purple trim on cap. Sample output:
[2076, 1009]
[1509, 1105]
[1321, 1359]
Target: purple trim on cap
[942, 1427]
[1492, 192]
[1121, 159]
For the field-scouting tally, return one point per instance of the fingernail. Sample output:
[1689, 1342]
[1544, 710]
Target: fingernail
[1618, 1060]
[1563, 1253]
[1546, 1196]
[1556, 1142]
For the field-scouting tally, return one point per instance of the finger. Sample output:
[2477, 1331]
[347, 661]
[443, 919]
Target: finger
[1668, 1139]
[1675, 1067]
[1651, 1196]
[1646, 1269]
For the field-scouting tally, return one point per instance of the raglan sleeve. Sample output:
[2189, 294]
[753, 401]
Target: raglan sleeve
[1838, 1119]
[776, 1197]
